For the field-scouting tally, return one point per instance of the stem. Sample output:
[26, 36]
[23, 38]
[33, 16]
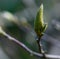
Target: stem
[40, 47]
[26, 48]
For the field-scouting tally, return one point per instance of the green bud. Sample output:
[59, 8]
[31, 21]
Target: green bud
[39, 24]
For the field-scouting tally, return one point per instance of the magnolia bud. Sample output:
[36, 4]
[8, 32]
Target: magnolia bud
[39, 25]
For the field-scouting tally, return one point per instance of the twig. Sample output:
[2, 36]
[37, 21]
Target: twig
[40, 47]
[25, 47]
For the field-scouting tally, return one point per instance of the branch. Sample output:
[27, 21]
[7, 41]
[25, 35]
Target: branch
[25, 47]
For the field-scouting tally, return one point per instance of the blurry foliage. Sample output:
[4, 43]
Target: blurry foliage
[11, 5]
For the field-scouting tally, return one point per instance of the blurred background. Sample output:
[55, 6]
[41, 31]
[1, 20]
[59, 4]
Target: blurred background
[17, 19]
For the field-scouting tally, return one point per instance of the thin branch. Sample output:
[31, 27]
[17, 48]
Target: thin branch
[40, 47]
[25, 47]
